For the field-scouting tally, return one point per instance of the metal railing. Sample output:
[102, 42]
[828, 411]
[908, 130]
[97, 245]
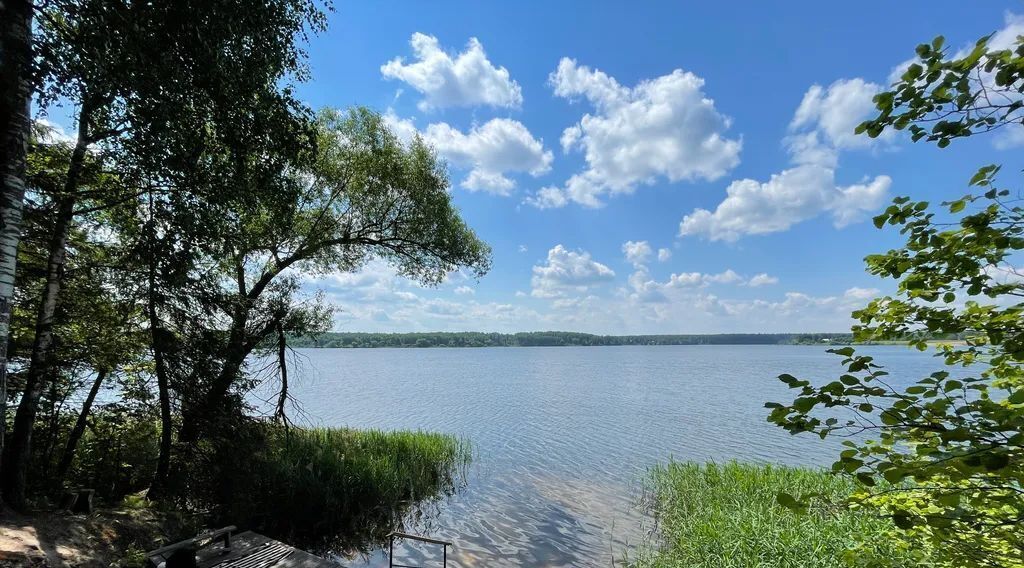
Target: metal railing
[391, 548]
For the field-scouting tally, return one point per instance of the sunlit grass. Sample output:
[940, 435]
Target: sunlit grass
[347, 489]
[397, 465]
[725, 516]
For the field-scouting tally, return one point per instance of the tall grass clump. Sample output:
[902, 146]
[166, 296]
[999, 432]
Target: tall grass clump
[726, 515]
[340, 489]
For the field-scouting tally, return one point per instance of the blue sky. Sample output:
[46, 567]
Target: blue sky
[648, 167]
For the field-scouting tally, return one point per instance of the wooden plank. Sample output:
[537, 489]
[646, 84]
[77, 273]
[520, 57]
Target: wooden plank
[160, 554]
[302, 559]
[241, 545]
[250, 544]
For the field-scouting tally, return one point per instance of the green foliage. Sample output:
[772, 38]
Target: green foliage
[115, 456]
[171, 100]
[378, 197]
[722, 516]
[97, 325]
[357, 194]
[950, 447]
[197, 194]
[323, 488]
[338, 489]
[169, 240]
[939, 99]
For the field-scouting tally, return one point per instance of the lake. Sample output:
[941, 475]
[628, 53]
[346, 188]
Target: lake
[563, 436]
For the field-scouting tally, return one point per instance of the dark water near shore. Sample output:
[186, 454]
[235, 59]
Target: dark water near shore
[563, 436]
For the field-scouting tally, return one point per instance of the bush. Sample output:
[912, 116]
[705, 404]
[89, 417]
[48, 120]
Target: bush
[115, 456]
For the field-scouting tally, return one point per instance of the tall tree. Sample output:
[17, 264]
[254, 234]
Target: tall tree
[945, 456]
[139, 72]
[15, 109]
[97, 322]
[362, 195]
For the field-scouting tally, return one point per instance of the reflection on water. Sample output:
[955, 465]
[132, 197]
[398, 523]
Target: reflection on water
[563, 436]
[366, 530]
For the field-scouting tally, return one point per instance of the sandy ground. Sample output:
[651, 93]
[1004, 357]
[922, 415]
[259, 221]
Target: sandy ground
[105, 538]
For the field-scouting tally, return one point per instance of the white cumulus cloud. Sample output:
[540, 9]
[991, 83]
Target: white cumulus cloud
[643, 288]
[664, 127]
[856, 293]
[489, 151]
[728, 277]
[762, 279]
[637, 252]
[548, 197]
[794, 195]
[567, 271]
[692, 279]
[835, 111]
[664, 254]
[685, 279]
[465, 79]
[822, 127]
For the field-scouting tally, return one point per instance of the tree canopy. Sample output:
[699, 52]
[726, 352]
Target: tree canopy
[171, 237]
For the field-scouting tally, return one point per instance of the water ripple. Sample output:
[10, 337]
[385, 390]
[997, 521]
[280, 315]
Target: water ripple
[564, 436]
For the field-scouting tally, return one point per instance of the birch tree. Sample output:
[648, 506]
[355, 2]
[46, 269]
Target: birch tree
[15, 108]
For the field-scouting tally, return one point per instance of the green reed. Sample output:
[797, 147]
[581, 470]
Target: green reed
[344, 490]
[726, 515]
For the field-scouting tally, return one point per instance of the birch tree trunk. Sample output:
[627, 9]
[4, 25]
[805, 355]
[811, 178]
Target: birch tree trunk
[17, 454]
[15, 123]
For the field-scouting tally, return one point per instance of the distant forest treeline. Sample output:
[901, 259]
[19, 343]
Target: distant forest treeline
[556, 339]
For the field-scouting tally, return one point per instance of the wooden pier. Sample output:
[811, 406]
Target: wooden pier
[224, 549]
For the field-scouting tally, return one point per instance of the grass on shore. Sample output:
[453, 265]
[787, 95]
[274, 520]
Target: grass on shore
[345, 490]
[726, 516]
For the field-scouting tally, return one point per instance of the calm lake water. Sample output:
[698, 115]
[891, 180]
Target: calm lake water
[563, 436]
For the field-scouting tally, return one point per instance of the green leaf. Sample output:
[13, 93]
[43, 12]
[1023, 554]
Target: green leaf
[788, 379]
[903, 522]
[894, 475]
[805, 404]
[788, 501]
[949, 499]
[866, 479]
[995, 461]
